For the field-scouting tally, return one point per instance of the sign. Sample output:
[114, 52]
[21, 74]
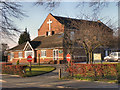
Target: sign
[97, 56]
[29, 58]
[60, 51]
[68, 57]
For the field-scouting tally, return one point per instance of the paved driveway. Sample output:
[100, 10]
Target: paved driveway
[50, 80]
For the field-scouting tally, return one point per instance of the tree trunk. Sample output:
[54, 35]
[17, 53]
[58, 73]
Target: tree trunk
[87, 61]
[89, 58]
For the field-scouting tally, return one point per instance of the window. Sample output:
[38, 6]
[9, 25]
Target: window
[46, 33]
[20, 54]
[53, 32]
[72, 35]
[27, 53]
[11, 56]
[49, 33]
[43, 53]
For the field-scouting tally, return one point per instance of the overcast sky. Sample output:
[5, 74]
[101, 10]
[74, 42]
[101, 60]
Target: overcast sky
[37, 15]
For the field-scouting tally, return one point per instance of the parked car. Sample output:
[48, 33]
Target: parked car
[114, 56]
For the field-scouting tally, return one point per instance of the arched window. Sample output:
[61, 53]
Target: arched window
[53, 32]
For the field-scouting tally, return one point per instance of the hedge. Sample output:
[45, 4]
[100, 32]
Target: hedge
[14, 69]
[105, 71]
[5, 63]
[118, 69]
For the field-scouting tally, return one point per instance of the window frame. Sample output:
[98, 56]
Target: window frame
[43, 53]
[27, 52]
[21, 55]
[11, 56]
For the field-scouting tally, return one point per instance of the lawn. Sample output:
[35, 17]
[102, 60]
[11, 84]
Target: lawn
[38, 70]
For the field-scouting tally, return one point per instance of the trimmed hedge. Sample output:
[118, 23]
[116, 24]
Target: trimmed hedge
[14, 69]
[98, 71]
[118, 69]
[5, 63]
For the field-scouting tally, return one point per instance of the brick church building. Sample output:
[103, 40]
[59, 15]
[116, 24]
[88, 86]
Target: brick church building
[48, 45]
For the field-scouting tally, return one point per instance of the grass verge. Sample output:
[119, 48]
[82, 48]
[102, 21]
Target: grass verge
[89, 79]
[38, 70]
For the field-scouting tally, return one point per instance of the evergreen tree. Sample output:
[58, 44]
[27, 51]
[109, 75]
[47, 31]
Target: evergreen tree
[24, 37]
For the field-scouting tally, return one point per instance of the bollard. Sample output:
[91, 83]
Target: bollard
[59, 73]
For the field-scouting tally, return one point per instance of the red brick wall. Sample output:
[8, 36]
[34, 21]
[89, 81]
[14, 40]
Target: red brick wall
[49, 55]
[16, 58]
[56, 26]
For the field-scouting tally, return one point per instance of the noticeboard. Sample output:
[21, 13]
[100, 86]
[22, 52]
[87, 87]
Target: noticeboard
[97, 56]
[60, 51]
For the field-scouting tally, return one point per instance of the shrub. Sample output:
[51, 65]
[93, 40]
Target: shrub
[95, 71]
[118, 69]
[14, 69]
[17, 62]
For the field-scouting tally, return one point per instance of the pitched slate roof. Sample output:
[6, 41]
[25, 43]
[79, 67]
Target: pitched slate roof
[50, 41]
[69, 22]
[18, 47]
[43, 42]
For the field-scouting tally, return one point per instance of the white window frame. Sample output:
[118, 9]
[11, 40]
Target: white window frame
[27, 52]
[49, 33]
[11, 56]
[43, 53]
[21, 54]
[54, 57]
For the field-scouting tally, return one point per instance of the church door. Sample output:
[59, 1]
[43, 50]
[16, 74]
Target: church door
[55, 54]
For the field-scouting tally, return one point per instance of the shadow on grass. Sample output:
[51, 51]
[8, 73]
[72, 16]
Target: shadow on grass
[37, 73]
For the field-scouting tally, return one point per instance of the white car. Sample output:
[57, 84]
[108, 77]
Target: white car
[114, 56]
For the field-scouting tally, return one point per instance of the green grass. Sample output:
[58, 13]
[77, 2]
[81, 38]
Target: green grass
[38, 70]
[106, 63]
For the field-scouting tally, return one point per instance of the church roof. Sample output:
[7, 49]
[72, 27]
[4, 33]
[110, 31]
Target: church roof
[43, 42]
[70, 23]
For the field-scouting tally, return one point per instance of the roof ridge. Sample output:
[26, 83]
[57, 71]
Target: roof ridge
[98, 21]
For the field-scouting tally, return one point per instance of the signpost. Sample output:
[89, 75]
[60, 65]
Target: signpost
[97, 57]
[68, 57]
[39, 58]
[29, 59]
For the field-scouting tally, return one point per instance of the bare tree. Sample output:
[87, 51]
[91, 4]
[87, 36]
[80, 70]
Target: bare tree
[9, 10]
[51, 4]
[93, 35]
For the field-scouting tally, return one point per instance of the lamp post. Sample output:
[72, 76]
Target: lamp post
[39, 59]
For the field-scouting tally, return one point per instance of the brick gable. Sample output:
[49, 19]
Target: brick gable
[56, 26]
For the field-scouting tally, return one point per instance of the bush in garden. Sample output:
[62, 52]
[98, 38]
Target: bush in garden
[17, 62]
[14, 69]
